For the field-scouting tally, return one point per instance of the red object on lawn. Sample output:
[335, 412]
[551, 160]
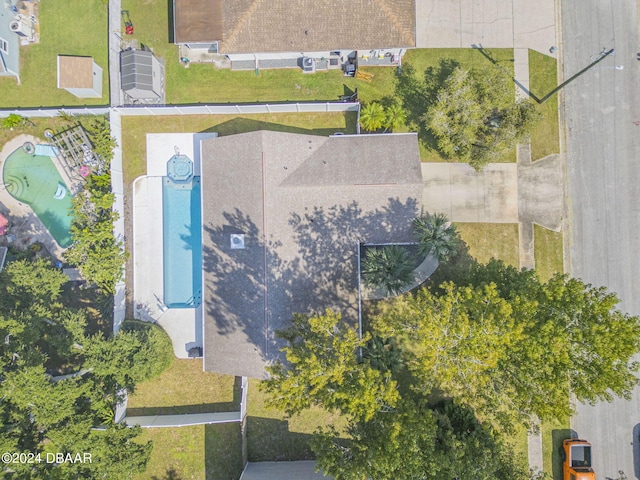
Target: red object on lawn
[3, 224]
[128, 24]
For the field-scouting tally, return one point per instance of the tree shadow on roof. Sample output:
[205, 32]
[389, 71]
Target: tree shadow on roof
[311, 267]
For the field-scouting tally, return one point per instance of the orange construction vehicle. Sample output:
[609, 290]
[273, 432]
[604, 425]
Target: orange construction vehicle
[576, 463]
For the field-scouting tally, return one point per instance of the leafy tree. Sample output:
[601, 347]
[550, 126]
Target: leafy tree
[372, 117]
[389, 267]
[475, 117]
[323, 369]
[395, 117]
[417, 441]
[99, 133]
[454, 342]
[140, 352]
[24, 283]
[575, 332]
[95, 250]
[397, 425]
[116, 452]
[437, 236]
[53, 391]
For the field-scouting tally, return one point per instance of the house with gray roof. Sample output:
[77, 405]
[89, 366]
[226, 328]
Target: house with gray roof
[279, 33]
[283, 216]
[10, 32]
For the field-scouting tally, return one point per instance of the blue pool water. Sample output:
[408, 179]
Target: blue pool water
[182, 245]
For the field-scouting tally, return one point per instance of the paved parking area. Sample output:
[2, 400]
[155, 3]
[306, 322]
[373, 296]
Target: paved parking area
[522, 192]
[490, 23]
[465, 195]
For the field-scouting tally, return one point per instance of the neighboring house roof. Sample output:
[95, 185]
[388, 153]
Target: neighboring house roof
[197, 21]
[252, 26]
[303, 204]
[75, 72]
[300, 470]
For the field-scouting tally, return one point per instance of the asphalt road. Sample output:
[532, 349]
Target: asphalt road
[603, 193]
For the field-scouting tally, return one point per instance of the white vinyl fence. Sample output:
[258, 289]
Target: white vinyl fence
[139, 110]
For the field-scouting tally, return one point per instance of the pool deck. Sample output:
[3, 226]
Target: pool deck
[184, 325]
[25, 227]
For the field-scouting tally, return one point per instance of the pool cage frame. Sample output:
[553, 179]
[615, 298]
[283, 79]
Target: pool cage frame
[75, 150]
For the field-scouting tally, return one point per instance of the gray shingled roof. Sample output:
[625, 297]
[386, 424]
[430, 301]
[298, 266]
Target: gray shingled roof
[303, 203]
[252, 26]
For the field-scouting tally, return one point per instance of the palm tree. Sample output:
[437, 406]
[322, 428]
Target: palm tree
[436, 234]
[395, 117]
[372, 117]
[389, 267]
[382, 354]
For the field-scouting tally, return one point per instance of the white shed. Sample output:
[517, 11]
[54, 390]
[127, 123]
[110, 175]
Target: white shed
[80, 76]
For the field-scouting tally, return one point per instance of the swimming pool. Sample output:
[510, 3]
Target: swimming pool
[182, 243]
[34, 180]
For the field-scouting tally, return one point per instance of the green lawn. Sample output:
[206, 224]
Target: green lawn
[185, 388]
[212, 451]
[179, 450]
[271, 437]
[223, 451]
[553, 433]
[206, 84]
[35, 127]
[543, 77]
[71, 27]
[548, 252]
[134, 130]
[492, 240]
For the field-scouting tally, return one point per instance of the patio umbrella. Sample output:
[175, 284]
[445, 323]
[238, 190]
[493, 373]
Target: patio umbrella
[3, 224]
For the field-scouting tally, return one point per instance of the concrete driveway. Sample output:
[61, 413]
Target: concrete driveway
[492, 23]
[464, 195]
[501, 193]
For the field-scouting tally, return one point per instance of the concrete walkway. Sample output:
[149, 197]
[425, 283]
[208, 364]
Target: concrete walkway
[115, 41]
[157, 421]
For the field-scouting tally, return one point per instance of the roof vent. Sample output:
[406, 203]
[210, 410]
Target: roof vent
[237, 241]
